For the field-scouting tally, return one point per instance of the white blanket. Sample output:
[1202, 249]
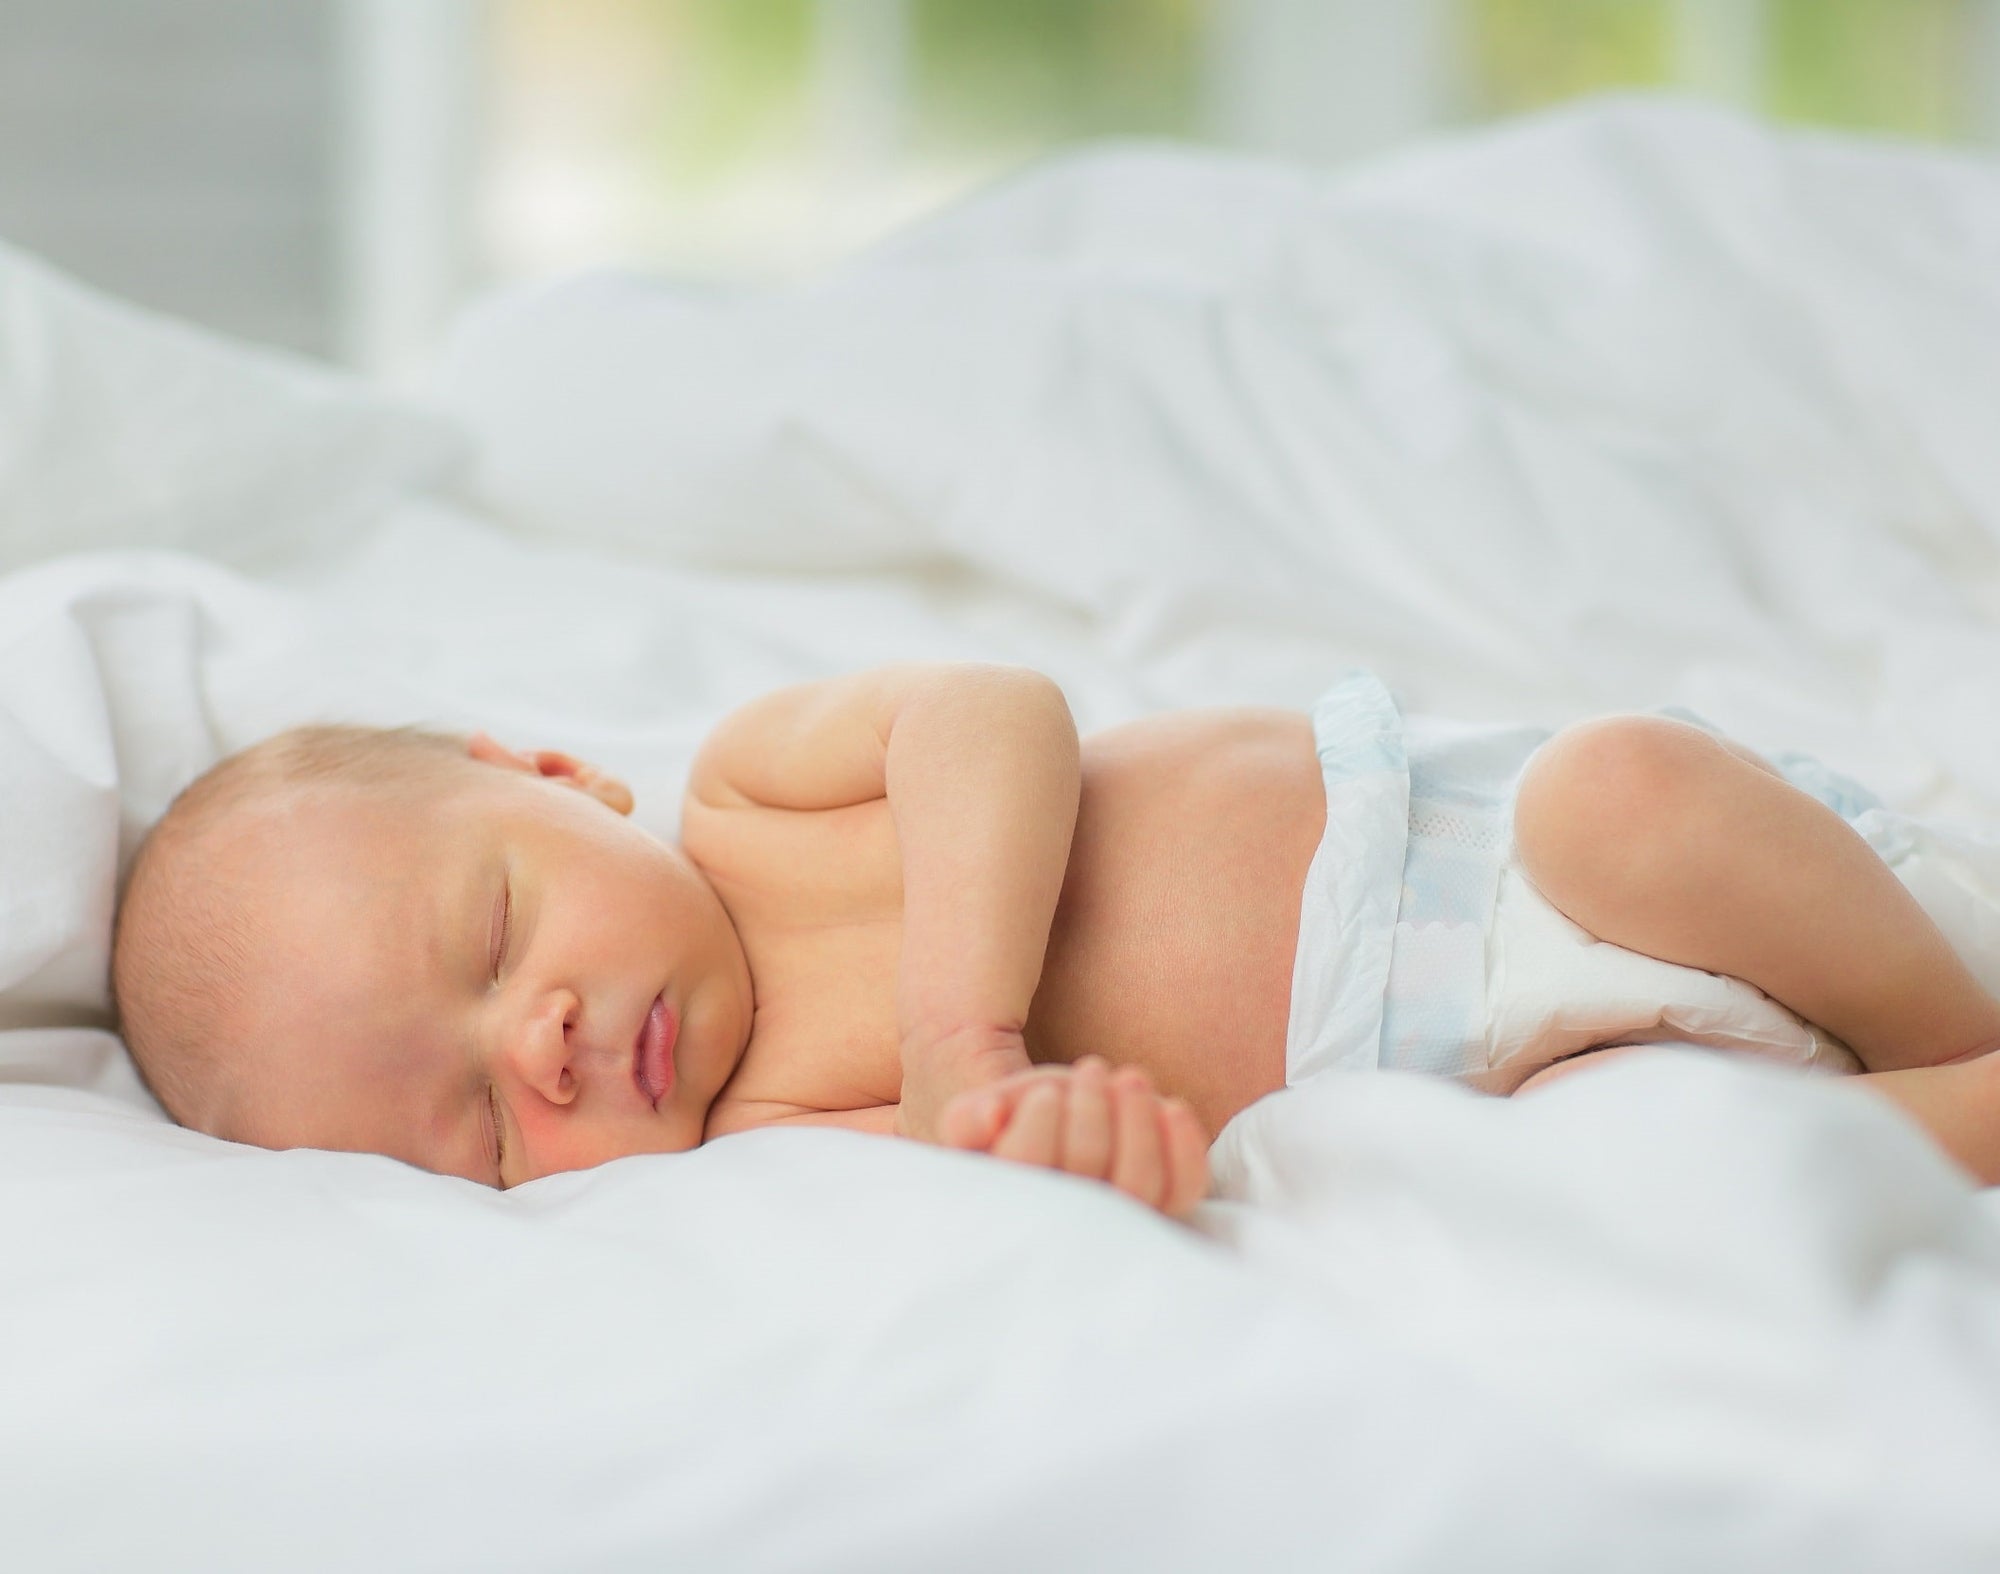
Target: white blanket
[1632, 406]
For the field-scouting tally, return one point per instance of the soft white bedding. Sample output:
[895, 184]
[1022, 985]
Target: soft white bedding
[1631, 406]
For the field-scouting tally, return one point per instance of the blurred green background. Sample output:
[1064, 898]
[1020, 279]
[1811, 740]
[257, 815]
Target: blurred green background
[341, 176]
[734, 137]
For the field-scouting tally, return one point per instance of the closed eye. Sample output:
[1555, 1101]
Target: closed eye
[503, 922]
[498, 1128]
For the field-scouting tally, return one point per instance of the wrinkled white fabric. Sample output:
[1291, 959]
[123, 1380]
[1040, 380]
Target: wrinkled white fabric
[1631, 405]
[119, 427]
[1711, 1271]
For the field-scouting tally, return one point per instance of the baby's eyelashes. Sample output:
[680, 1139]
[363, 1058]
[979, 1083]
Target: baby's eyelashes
[503, 922]
[496, 1128]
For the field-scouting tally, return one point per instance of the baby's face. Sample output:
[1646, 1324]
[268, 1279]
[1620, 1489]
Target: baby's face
[464, 979]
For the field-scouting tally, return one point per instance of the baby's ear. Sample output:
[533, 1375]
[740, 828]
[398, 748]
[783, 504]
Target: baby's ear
[556, 766]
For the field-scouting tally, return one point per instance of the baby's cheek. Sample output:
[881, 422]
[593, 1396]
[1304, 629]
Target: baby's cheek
[560, 1140]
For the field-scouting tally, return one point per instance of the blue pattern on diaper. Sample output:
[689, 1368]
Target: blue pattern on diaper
[1348, 906]
[1844, 795]
[1357, 729]
[1461, 826]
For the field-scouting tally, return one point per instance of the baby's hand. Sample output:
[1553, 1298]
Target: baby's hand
[1087, 1119]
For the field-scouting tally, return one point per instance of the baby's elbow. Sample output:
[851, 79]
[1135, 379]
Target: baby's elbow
[1021, 691]
[1029, 683]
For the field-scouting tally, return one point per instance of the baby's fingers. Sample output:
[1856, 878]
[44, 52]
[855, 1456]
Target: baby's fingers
[1034, 1135]
[1087, 1135]
[1140, 1167]
[972, 1120]
[1187, 1155]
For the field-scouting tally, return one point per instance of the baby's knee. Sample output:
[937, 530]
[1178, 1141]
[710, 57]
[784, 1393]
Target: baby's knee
[1605, 800]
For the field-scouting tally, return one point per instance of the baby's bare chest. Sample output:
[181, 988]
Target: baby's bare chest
[1171, 946]
[817, 900]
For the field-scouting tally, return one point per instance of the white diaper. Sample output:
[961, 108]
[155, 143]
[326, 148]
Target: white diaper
[1423, 947]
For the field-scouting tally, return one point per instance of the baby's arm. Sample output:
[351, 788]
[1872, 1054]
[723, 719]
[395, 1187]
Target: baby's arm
[981, 772]
[980, 768]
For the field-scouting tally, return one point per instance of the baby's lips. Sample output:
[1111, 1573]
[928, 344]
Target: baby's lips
[652, 1052]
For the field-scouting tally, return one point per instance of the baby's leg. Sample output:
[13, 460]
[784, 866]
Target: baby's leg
[1959, 1105]
[1658, 837]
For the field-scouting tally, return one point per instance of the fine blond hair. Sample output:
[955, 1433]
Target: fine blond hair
[186, 940]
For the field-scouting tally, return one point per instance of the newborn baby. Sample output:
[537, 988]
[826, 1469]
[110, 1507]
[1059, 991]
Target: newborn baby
[909, 902]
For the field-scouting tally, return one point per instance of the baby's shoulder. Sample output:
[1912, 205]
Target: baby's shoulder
[815, 864]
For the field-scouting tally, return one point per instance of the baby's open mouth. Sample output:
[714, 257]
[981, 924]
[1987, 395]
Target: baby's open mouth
[653, 1053]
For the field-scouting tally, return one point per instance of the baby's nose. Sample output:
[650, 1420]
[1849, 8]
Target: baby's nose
[545, 1049]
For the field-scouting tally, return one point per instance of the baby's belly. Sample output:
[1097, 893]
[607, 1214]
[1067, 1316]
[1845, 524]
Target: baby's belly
[1173, 942]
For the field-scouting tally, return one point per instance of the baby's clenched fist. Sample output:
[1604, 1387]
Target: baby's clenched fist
[1091, 1120]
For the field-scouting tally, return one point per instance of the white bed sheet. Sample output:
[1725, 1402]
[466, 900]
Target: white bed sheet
[1677, 1314]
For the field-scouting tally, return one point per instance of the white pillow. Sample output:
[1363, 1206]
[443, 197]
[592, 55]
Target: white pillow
[109, 666]
[122, 428]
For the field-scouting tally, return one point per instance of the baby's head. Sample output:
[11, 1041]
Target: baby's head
[431, 947]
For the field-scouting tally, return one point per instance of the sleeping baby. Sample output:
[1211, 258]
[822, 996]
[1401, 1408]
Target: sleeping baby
[911, 902]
